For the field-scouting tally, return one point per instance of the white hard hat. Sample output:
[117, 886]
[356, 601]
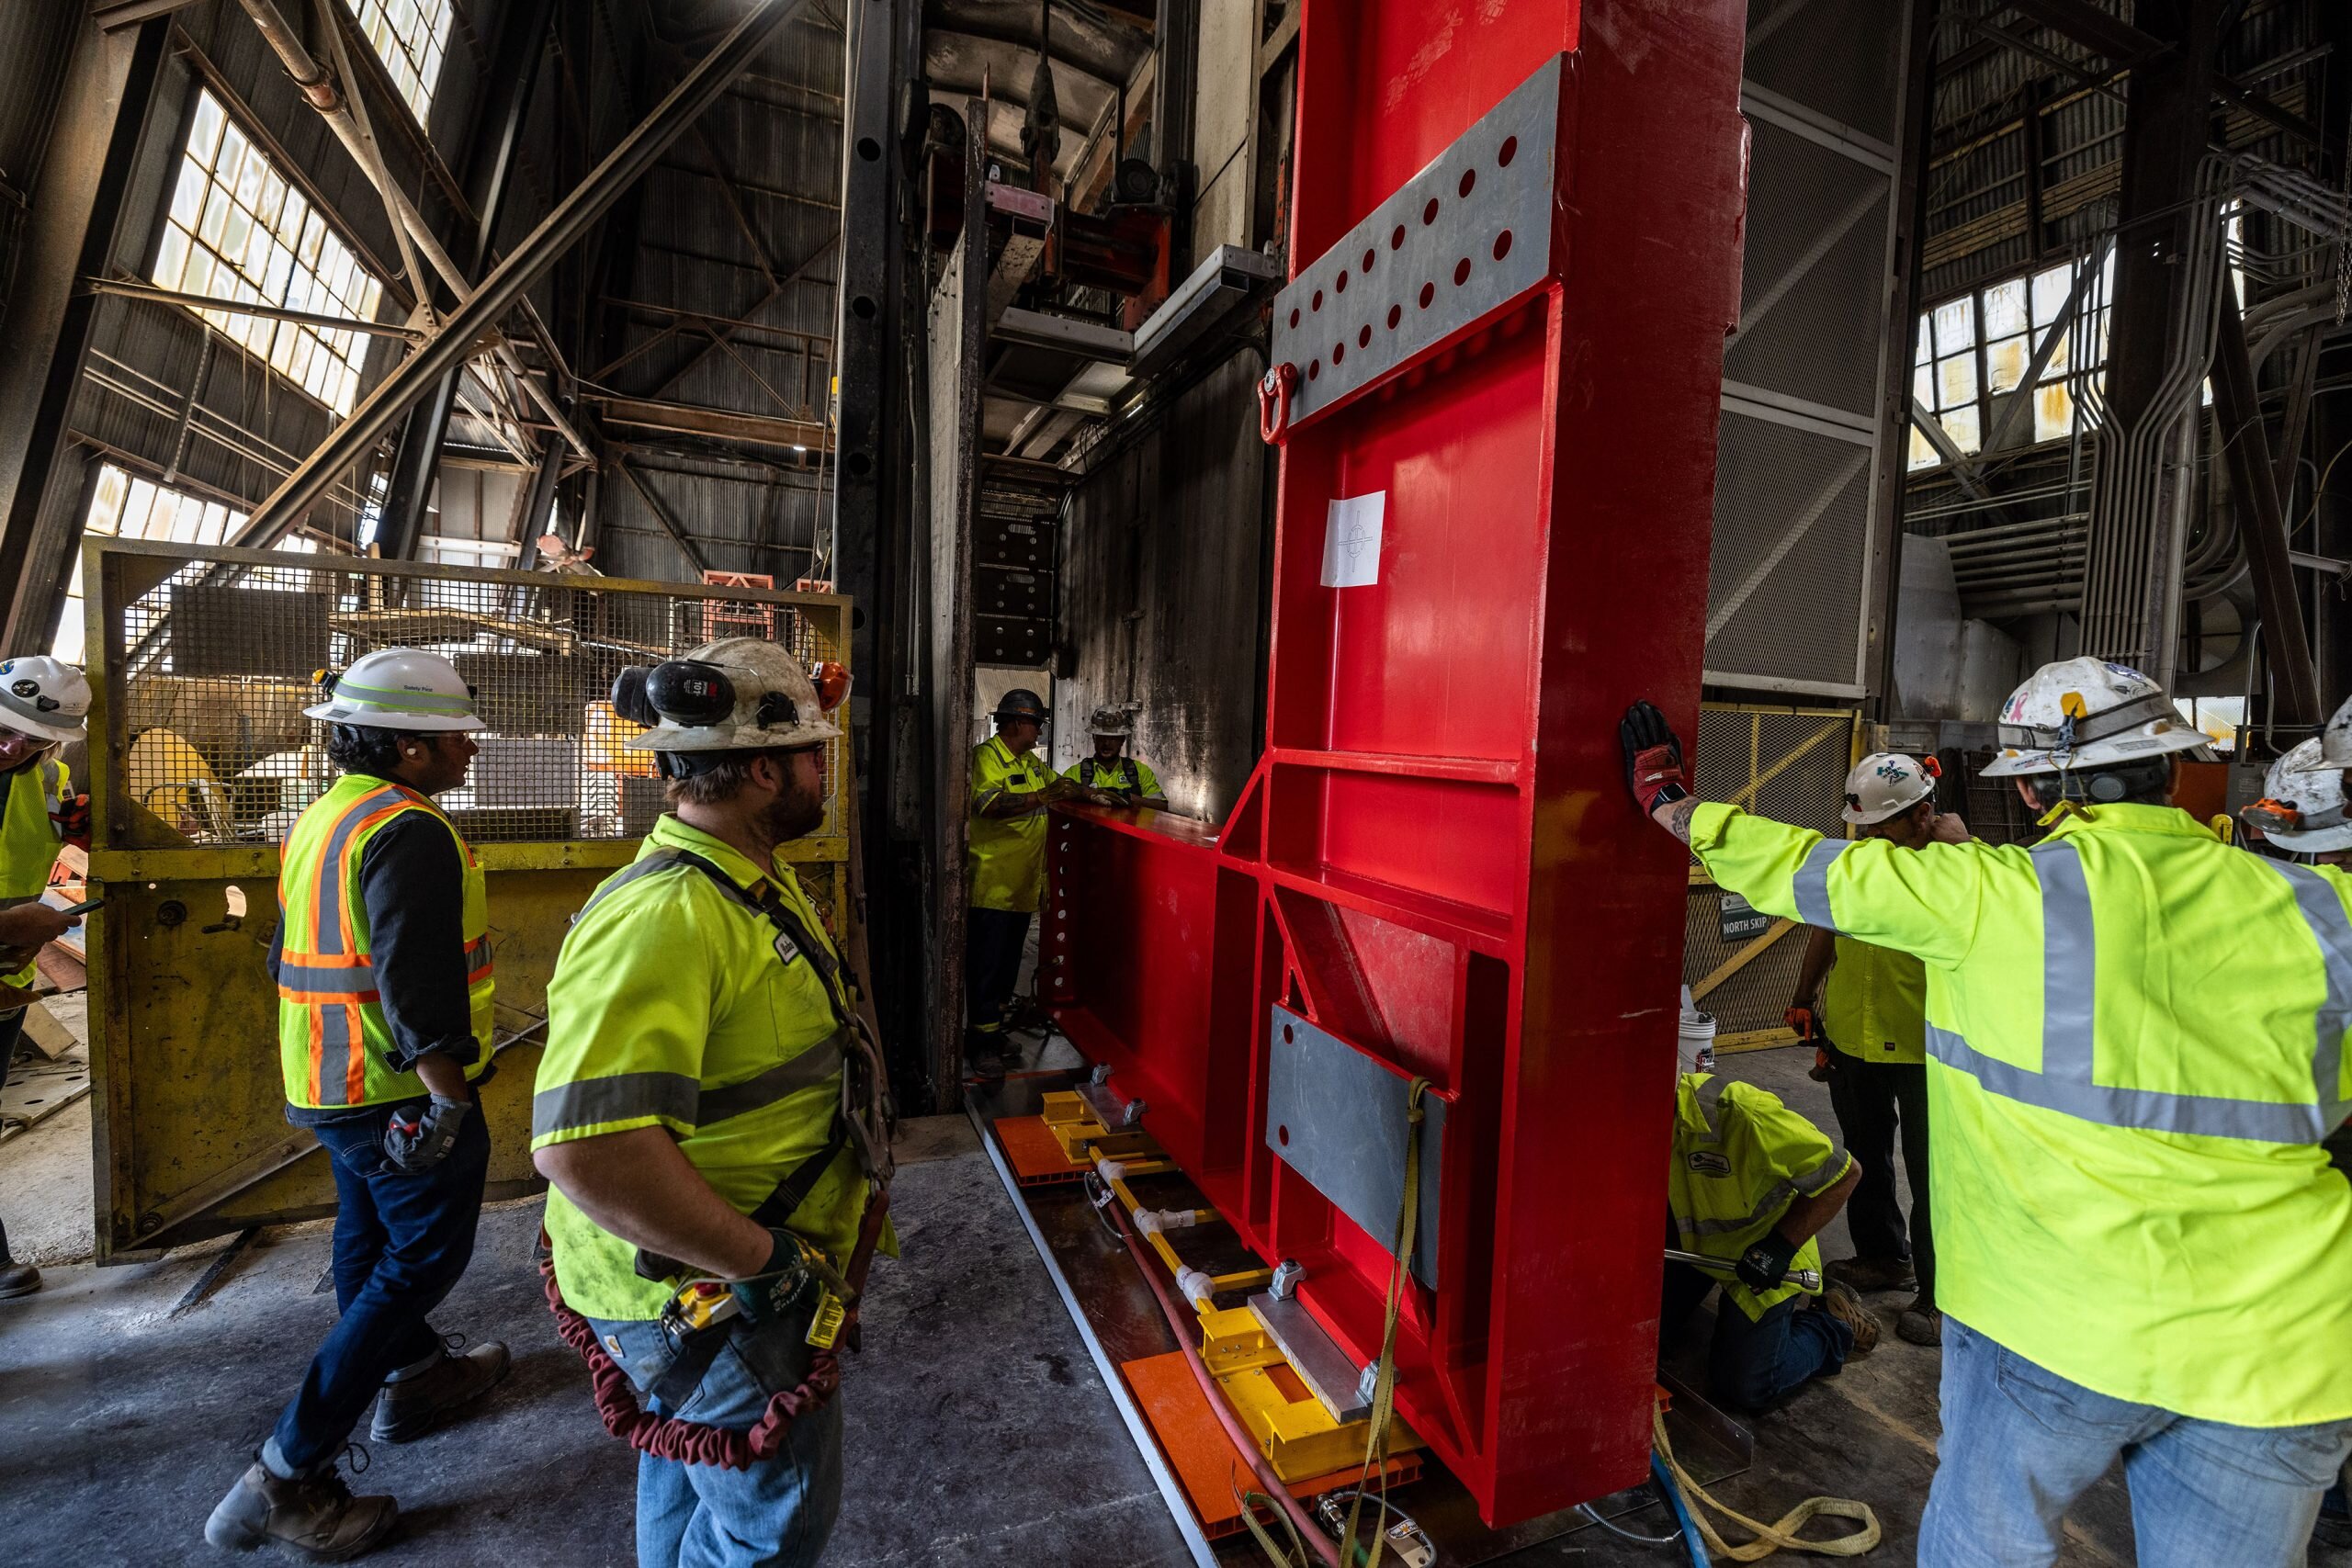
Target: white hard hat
[739, 694]
[2087, 713]
[43, 697]
[1109, 721]
[2335, 741]
[2303, 807]
[400, 688]
[1885, 784]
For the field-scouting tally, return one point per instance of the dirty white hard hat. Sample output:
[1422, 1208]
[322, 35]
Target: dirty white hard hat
[1111, 721]
[43, 697]
[2302, 805]
[2335, 741]
[400, 688]
[739, 694]
[2087, 713]
[1884, 785]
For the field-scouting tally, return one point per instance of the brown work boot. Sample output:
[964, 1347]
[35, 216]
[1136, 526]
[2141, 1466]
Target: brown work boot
[1842, 1301]
[315, 1517]
[417, 1404]
[1921, 1322]
[18, 1279]
[1869, 1275]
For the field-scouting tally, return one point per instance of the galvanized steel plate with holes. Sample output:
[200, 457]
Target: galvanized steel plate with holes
[1468, 235]
[1338, 1118]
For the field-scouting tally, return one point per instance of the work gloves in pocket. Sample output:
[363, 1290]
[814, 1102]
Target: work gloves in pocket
[418, 1139]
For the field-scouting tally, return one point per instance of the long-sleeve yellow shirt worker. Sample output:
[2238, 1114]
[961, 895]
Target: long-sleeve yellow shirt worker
[1005, 856]
[2136, 1043]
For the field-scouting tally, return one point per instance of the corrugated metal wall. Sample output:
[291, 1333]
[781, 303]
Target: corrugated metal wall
[36, 48]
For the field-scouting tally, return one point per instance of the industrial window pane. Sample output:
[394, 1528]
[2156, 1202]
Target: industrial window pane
[2005, 363]
[1923, 386]
[1963, 428]
[1955, 326]
[2050, 288]
[239, 232]
[2053, 411]
[1923, 451]
[2005, 309]
[408, 36]
[1956, 382]
[1926, 348]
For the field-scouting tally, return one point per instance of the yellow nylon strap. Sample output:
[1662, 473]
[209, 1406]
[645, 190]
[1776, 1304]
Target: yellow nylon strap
[1781, 1535]
[1383, 1388]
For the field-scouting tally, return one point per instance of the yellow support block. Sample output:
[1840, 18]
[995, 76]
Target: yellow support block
[1081, 1137]
[1297, 1436]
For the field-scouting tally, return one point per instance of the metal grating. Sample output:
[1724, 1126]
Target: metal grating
[1784, 584]
[206, 659]
[1789, 765]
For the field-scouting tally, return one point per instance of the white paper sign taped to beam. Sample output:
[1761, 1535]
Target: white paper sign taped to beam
[1351, 540]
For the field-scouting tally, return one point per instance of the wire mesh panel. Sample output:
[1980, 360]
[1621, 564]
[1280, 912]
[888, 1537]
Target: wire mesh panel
[1789, 765]
[209, 657]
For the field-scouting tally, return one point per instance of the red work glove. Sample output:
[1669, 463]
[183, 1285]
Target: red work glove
[73, 822]
[1652, 758]
[1800, 1019]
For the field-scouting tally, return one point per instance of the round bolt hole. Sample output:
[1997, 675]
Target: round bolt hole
[1509, 151]
[1502, 244]
[1342, 284]
[1316, 303]
[869, 149]
[1469, 179]
[1364, 338]
[1314, 368]
[1428, 213]
[859, 464]
[1396, 237]
[1287, 1036]
[863, 306]
[1395, 314]
[1462, 272]
[1368, 254]
[1282, 1136]
[1339, 352]
[171, 912]
[1293, 318]
[1428, 293]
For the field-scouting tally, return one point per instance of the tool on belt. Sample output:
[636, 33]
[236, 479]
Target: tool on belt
[1803, 1279]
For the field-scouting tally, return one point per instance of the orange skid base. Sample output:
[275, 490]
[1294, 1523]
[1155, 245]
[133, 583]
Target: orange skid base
[1034, 1154]
[1206, 1461]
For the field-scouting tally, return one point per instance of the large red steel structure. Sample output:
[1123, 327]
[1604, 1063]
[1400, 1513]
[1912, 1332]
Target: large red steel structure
[1524, 223]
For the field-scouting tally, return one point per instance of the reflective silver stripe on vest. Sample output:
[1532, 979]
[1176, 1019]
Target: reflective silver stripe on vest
[334, 1055]
[1811, 887]
[2069, 1026]
[2069, 962]
[52, 788]
[624, 1097]
[328, 916]
[813, 1067]
[320, 979]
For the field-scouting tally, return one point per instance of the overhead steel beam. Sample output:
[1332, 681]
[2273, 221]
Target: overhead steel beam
[2294, 680]
[2094, 28]
[478, 315]
[130, 13]
[720, 424]
[490, 164]
[686, 546]
[154, 295]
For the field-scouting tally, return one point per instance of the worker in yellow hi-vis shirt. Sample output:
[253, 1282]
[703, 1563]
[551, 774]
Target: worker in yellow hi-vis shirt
[1004, 858]
[711, 1118]
[2136, 1044]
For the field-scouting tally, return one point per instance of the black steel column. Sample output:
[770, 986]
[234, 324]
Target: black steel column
[2167, 122]
[489, 159]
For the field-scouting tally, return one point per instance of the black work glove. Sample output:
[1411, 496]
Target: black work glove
[412, 1146]
[783, 1284]
[1765, 1266]
[1652, 758]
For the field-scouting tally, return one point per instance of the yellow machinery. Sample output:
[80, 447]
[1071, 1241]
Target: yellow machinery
[202, 661]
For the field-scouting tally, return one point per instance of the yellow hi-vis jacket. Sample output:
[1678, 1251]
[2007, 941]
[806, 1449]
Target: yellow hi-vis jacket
[1741, 1157]
[1875, 1003]
[333, 1043]
[2135, 1041]
[1005, 856]
[28, 839]
[672, 1007]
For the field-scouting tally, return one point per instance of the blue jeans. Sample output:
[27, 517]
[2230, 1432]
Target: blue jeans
[779, 1513]
[1754, 1363]
[2020, 1443]
[401, 1243]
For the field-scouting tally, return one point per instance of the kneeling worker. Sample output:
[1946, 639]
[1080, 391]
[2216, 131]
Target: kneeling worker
[1111, 777]
[1751, 1183]
[381, 957]
[1872, 1032]
[708, 1112]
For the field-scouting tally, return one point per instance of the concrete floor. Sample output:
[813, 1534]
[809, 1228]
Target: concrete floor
[979, 1429]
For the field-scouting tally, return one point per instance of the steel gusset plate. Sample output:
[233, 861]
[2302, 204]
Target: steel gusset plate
[1464, 239]
[1339, 1119]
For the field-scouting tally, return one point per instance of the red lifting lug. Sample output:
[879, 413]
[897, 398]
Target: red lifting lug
[1274, 402]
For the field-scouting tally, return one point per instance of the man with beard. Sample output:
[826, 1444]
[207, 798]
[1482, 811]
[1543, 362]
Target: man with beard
[707, 1114]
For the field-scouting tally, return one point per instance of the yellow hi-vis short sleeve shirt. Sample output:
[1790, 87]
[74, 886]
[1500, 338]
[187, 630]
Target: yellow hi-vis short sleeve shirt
[29, 841]
[1741, 1157]
[1005, 856]
[1874, 1004]
[670, 1008]
[2136, 1045]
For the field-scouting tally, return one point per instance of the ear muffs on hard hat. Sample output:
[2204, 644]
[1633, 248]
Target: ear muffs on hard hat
[690, 693]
